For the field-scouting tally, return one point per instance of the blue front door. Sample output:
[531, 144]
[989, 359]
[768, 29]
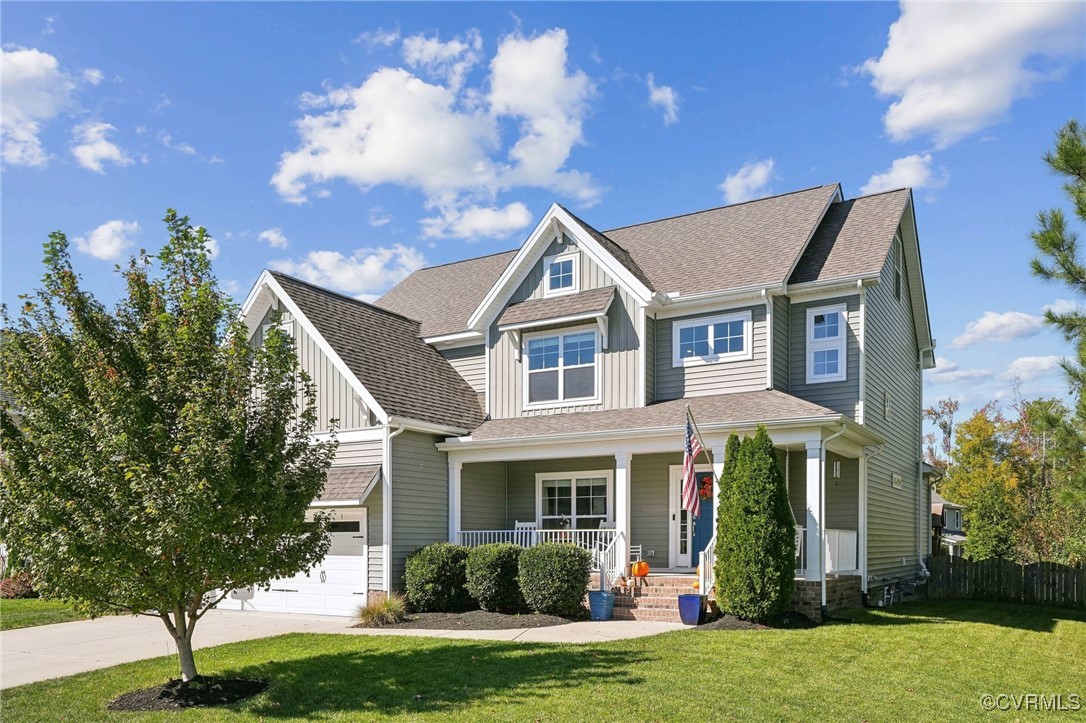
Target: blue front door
[704, 525]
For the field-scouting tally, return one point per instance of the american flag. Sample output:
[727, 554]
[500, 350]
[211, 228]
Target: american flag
[690, 500]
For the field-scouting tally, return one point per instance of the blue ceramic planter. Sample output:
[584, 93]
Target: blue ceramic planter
[692, 609]
[601, 605]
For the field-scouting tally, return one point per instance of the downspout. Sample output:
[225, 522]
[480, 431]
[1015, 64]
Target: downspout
[920, 532]
[822, 520]
[386, 502]
[868, 456]
[862, 349]
[768, 298]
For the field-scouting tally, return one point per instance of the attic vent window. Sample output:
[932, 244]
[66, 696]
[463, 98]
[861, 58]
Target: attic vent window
[560, 274]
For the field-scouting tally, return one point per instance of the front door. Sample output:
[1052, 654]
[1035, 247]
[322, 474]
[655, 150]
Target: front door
[688, 537]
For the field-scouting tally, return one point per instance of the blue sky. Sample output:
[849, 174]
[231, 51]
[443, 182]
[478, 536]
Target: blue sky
[352, 143]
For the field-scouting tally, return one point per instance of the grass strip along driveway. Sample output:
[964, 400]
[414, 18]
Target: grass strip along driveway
[35, 611]
[921, 661]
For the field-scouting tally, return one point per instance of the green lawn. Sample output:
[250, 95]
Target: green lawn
[34, 611]
[923, 661]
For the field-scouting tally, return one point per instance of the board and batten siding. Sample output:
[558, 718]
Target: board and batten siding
[470, 363]
[482, 496]
[844, 396]
[722, 377]
[619, 362]
[336, 398]
[893, 368]
[781, 345]
[420, 497]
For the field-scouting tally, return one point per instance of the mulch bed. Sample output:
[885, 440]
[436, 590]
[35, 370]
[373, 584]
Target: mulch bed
[201, 692]
[477, 620]
[787, 621]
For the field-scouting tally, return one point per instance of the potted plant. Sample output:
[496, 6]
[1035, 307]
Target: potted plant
[692, 607]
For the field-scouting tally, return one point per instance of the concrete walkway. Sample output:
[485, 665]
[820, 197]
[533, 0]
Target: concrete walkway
[583, 632]
[28, 655]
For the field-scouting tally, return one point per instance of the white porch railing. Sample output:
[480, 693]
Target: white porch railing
[706, 578]
[606, 561]
[840, 552]
[592, 540]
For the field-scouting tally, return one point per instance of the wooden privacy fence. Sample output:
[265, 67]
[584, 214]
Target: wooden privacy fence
[1040, 583]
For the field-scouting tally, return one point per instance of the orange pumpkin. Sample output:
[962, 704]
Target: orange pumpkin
[639, 568]
[696, 584]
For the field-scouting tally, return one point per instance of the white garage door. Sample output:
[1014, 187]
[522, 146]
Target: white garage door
[334, 586]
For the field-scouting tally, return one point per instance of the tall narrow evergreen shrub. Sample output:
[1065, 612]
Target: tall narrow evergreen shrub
[756, 552]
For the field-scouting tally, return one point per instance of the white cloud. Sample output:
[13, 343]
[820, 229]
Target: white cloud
[365, 274]
[954, 68]
[1032, 367]
[163, 103]
[666, 98]
[212, 247]
[110, 240]
[230, 286]
[378, 217]
[449, 62]
[377, 38]
[36, 90]
[92, 148]
[477, 222]
[749, 182]
[446, 140]
[50, 22]
[274, 237]
[167, 140]
[93, 76]
[948, 372]
[909, 172]
[993, 326]
[1065, 306]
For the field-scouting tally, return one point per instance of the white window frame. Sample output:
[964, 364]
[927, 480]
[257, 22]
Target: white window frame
[573, 256]
[840, 343]
[287, 327]
[561, 401]
[609, 519]
[713, 357]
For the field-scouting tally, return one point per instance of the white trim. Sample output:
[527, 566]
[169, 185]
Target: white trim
[562, 402]
[386, 506]
[335, 503]
[541, 477]
[862, 521]
[417, 425]
[674, 476]
[768, 338]
[713, 357]
[575, 271]
[519, 326]
[454, 341]
[671, 305]
[368, 434]
[456, 469]
[861, 343]
[486, 372]
[839, 343]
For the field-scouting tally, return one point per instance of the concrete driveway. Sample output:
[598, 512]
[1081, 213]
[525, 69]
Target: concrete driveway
[28, 655]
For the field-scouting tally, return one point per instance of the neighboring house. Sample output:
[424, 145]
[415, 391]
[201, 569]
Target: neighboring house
[947, 525]
[541, 393]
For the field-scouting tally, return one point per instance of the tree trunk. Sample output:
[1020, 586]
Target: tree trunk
[185, 657]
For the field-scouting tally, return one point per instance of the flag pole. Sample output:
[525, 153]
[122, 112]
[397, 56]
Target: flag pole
[704, 447]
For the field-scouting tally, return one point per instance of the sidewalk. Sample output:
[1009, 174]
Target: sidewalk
[583, 632]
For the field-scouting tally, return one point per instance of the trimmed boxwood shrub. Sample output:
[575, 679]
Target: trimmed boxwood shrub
[435, 579]
[554, 577]
[492, 577]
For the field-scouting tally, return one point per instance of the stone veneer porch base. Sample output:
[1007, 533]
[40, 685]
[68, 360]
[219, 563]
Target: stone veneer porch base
[842, 591]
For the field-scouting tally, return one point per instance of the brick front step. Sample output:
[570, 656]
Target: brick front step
[652, 599]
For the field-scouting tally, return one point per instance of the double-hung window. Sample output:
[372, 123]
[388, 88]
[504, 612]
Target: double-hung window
[827, 328]
[711, 339]
[561, 367]
[574, 500]
[560, 274]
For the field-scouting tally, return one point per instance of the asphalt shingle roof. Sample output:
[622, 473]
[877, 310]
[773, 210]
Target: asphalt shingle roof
[740, 409]
[442, 298]
[350, 483]
[593, 301]
[407, 377]
[854, 238]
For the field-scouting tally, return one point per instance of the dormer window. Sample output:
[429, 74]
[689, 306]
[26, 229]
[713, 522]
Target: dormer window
[560, 274]
[561, 368]
[826, 361]
[711, 339]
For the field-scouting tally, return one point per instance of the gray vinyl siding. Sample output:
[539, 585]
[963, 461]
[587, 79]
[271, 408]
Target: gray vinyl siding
[743, 375]
[375, 521]
[891, 351]
[619, 363]
[649, 505]
[521, 482]
[842, 396]
[420, 497]
[781, 350]
[842, 494]
[336, 398]
[470, 363]
[482, 496]
[357, 453]
[650, 359]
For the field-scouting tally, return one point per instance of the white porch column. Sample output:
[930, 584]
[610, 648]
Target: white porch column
[814, 509]
[717, 450]
[622, 506]
[456, 468]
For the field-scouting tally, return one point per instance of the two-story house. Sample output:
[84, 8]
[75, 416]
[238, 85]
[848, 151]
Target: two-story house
[542, 393]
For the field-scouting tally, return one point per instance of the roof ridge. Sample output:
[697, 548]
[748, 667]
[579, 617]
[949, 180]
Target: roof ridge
[344, 297]
[718, 208]
[464, 261]
[881, 193]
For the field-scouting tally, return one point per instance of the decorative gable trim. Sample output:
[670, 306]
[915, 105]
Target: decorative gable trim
[267, 291]
[918, 296]
[549, 228]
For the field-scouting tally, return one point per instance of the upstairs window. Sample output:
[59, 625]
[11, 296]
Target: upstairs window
[561, 367]
[560, 274]
[826, 336]
[712, 339]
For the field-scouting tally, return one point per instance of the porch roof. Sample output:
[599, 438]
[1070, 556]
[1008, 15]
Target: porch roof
[350, 484]
[593, 302]
[714, 412]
